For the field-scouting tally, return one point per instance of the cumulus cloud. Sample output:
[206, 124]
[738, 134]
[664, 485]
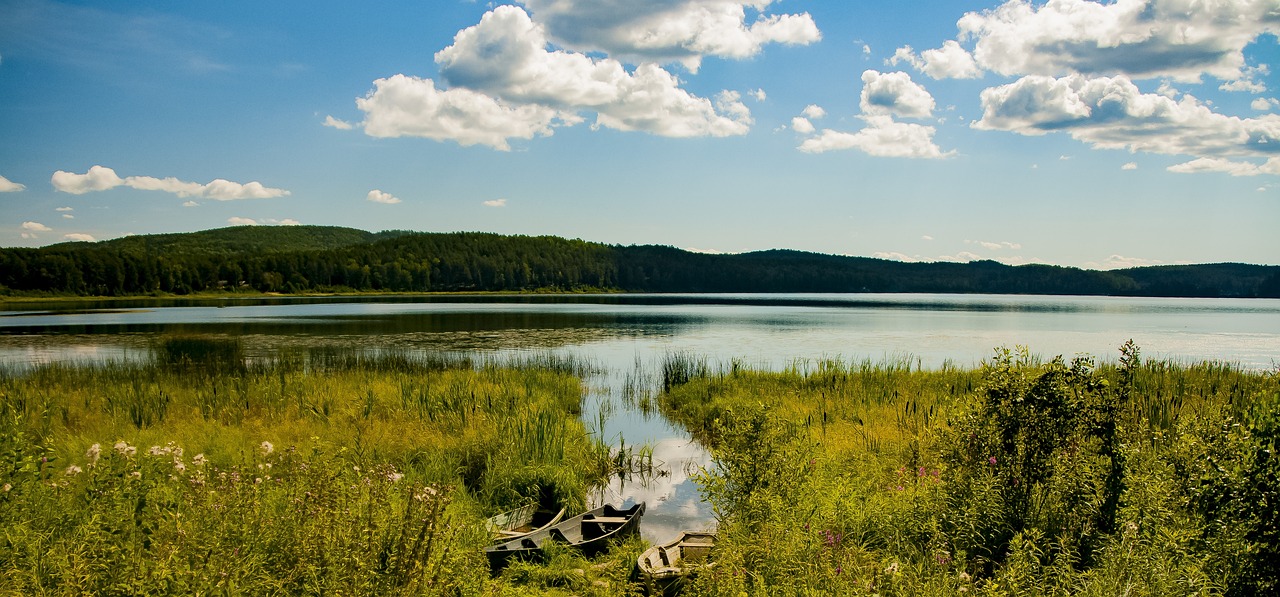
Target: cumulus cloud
[79, 236]
[802, 125]
[32, 229]
[239, 221]
[1144, 39]
[1234, 168]
[894, 256]
[814, 112]
[377, 196]
[341, 125]
[951, 61]
[1129, 166]
[682, 31]
[8, 186]
[881, 137]
[495, 203]
[994, 246]
[505, 83]
[68, 217]
[1122, 262]
[1111, 113]
[100, 178]
[894, 94]
[1264, 104]
[64, 209]
[759, 95]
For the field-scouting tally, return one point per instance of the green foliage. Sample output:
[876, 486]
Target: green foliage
[311, 474]
[305, 259]
[1025, 477]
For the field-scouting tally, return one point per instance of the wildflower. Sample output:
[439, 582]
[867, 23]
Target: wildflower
[94, 452]
[157, 451]
[267, 448]
[257, 480]
[7, 487]
[73, 470]
[964, 576]
[135, 475]
[178, 465]
[198, 460]
[394, 477]
[992, 460]
[892, 569]
[125, 449]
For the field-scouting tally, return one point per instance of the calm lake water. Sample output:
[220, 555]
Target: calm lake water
[624, 333]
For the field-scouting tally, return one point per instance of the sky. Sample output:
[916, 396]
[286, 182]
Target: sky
[1070, 132]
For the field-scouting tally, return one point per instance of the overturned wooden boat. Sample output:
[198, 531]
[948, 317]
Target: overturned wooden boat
[588, 533]
[665, 568]
[517, 523]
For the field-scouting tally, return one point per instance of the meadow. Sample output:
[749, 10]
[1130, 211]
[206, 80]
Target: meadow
[1026, 476]
[317, 472]
[330, 471]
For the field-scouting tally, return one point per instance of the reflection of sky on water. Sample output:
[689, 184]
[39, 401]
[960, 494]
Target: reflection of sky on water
[672, 500]
[628, 333]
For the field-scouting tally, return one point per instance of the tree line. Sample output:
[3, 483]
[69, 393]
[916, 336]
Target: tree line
[329, 259]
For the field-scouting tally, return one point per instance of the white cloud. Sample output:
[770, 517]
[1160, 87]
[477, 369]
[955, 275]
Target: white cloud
[288, 222]
[1111, 113]
[1231, 167]
[1122, 262]
[881, 137]
[238, 221]
[894, 94]
[68, 217]
[35, 227]
[670, 30]
[1264, 104]
[8, 186]
[814, 112]
[377, 196]
[1129, 166]
[759, 95]
[994, 246]
[403, 106]
[64, 209]
[951, 61]
[341, 125]
[894, 256]
[190, 204]
[962, 256]
[926, 237]
[802, 125]
[1179, 39]
[495, 203]
[78, 236]
[505, 83]
[100, 178]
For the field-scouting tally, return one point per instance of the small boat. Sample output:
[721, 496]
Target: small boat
[588, 533]
[517, 523]
[665, 568]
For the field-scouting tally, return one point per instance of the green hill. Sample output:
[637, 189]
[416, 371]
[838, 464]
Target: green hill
[296, 259]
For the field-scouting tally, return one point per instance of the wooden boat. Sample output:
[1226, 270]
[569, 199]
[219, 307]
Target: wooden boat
[664, 569]
[517, 523]
[588, 533]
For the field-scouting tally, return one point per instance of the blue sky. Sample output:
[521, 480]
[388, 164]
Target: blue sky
[1072, 132]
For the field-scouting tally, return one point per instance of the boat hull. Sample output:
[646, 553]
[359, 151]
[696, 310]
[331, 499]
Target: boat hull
[588, 533]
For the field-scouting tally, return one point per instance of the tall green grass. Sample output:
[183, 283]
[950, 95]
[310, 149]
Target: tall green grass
[1026, 476]
[316, 472]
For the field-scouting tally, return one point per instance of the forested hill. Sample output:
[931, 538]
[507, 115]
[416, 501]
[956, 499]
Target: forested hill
[295, 259]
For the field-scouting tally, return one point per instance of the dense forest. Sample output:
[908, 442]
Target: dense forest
[300, 259]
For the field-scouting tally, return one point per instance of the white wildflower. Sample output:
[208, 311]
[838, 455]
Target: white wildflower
[257, 480]
[135, 475]
[267, 448]
[178, 465]
[94, 452]
[198, 460]
[394, 477]
[125, 449]
[7, 487]
[157, 451]
[74, 470]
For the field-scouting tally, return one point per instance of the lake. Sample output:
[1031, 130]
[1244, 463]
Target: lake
[625, 332]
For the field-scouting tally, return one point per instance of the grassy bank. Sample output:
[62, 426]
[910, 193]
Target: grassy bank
[1024, 477]
[320, 472]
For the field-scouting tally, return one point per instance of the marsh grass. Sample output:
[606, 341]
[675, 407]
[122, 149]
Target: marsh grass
[317, 472]
[1026, 476]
